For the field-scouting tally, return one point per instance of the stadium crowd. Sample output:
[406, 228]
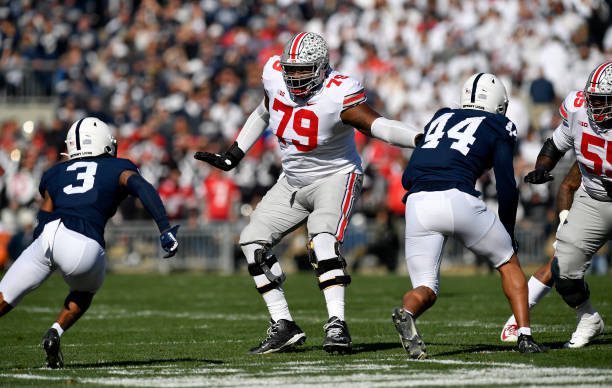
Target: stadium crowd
[172, 77]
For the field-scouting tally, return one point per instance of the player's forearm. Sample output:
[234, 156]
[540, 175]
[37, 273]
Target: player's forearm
[568, 187]
[549, 156]
[256, 123]
[395, 132]
[508, 203]
[150, 199]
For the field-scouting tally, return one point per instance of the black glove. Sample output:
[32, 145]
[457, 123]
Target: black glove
[539, 175]
[225, 161]
[168, 241]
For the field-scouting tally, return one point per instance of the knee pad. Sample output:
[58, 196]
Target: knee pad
[573, 291]
[80, 298]
[264, 260]
[324, 268]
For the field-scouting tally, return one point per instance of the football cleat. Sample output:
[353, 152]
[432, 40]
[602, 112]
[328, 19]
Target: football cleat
[408, 333]
[587, 329]
[337, 337]
[526, 344]
[510, 332]
[51, 345]
[281, 335]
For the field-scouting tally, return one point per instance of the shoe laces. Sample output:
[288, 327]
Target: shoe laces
[334, 328]
[587, 326]
[272, 330]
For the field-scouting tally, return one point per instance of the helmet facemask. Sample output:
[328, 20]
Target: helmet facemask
[304, 63]
[598, 94]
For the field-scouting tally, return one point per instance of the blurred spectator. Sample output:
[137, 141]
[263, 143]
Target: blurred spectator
[172, 77]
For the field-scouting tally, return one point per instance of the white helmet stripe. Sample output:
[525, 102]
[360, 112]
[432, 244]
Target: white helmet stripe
[296, 45]
[599, 72]
[78, 135]
[474, 85]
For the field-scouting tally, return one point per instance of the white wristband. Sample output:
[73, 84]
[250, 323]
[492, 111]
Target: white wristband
[395, 132]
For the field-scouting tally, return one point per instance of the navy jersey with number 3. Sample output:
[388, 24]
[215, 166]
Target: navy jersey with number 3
[458, 147]
[85, 193]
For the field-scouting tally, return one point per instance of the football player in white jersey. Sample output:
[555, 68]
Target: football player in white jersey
[313, 110]
[586, 127]
[541, 282]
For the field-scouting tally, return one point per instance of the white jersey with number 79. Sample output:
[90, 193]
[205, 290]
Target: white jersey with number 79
[314, 142]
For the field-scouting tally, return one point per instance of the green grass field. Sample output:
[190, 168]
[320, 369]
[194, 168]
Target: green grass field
[195, 329]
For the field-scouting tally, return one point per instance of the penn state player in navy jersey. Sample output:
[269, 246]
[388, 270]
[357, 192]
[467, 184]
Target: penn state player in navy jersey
[79, 196]
[458, 146]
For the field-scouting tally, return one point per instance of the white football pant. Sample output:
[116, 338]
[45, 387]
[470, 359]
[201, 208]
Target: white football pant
[432, 216]
[81, 260]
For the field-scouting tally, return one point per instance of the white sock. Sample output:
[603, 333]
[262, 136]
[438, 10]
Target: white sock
[537, 290]
[334, 297]
[585, 310]
[524, 330]
[277, 305]
[57, 327]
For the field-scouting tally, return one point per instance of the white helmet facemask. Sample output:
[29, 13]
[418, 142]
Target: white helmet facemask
[484, 91]
[90, 137]
[304, 62]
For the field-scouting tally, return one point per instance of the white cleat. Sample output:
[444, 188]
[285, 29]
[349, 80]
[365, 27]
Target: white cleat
[587, 329]
[509, 333]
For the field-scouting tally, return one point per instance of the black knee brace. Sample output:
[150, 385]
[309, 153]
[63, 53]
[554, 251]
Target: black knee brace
[264, 260]
[573, 291]
[80, 298]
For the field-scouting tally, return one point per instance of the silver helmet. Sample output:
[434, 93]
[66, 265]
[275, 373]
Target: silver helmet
[598, 94]
[304, 61]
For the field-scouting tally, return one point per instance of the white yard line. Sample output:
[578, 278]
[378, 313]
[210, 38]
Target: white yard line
[309, 374]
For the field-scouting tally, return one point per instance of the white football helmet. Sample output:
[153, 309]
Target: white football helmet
[90, 136]
[305, 61]
[484, 91]
[598, 94]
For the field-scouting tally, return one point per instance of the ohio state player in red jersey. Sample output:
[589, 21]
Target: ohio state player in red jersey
[313, 111]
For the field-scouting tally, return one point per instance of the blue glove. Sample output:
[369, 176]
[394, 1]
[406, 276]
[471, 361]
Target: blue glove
[169, 242]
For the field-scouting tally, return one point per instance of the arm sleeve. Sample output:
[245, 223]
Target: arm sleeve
[395, 132]
[253, 128]
[507, 192]
[139, 187]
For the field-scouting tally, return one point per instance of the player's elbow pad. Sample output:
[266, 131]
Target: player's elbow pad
[395, 132]
[253, 128]
[139, 187]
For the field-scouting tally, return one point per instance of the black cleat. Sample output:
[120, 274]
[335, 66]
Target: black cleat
[526, 344]
[51, 345]
[282, 335]
[337, 337]
[409, 335]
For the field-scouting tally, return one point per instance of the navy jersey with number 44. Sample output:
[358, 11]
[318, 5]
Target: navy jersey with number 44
[459, 145]
[85, 193]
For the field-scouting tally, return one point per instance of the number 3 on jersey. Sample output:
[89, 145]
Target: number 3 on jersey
[86, 176]
[462, 132]
[305, 124]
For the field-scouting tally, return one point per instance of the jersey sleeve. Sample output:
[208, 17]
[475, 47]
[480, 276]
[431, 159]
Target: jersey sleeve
[562, 135]
[126, 164]
[353, 90]
[507, 192]
[271, 74]
[42, 186]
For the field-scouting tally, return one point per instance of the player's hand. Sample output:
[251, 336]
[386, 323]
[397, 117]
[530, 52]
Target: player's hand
[225, 161]
[168, 241]
[515, 245]
[537, 176]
